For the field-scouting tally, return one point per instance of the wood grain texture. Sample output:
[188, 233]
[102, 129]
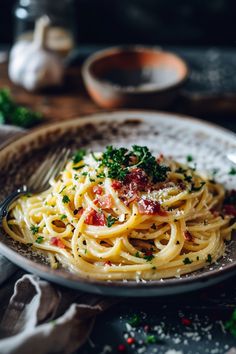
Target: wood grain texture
[58, 104]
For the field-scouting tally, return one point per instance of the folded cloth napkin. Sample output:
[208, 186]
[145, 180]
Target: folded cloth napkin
[40, 317]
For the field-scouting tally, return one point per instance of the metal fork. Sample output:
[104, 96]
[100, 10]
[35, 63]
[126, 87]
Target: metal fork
[39, 181]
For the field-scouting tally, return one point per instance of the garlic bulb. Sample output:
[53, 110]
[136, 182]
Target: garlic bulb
[32, 65]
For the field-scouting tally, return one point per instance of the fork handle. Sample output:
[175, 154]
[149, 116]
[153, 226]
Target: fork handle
[9, 199]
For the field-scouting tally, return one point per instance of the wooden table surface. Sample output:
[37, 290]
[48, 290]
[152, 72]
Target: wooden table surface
[70, 101]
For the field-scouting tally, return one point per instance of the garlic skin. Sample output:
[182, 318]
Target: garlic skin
[32, 65]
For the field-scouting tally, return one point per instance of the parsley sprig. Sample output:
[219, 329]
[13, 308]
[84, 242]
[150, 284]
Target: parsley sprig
[78, 156]
[12, 113]
[119, 161]
[111, 220]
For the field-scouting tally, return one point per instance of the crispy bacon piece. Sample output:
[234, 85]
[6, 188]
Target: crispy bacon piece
[229, 209]
[95, 218]
[56, 241]
[105, 201]
[97, 190]
[116, 184]
[150, 207]
[188, 236]
[137, 179]
[108, 263]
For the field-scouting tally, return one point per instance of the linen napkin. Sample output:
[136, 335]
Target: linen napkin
[40, 317]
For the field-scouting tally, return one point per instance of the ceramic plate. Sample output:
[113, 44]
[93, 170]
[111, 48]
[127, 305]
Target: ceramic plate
[165, 133]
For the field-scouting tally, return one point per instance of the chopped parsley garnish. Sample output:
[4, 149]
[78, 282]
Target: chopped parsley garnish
[148, 163]
[119, 162]
[189, 158]
[231, 324]
[84, 173]
[12, 113]
[187, 261]
[137, 255]
[232, 171]
[65, 199]
[94, 157]
[196, 189]
[135, 320]
[34, 229]
[101, 175]
[63, 216]
[111, 220]
[78, 167]
[39, 239]
[78, 155]
[149, 257]
[151, 339]
[188, 178]
[180, 170]
[209, 258]
[76, 177]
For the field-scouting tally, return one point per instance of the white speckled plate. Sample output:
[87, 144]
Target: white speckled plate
[165, 133]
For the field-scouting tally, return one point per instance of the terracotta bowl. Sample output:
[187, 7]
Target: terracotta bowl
[134, 77]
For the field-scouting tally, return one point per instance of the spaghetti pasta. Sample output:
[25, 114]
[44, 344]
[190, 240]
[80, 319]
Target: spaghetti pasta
[121, 215]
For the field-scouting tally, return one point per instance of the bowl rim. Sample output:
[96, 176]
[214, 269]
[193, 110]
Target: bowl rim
[89, 78]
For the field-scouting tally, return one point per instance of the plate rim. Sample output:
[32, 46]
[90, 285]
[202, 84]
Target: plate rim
[169, 283]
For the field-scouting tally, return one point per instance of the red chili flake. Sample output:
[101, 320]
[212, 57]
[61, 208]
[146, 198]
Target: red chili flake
[188, 236]
[150, 207]
[137, 179]
[97, 190]
[95, 218]
[121, 348]
[55, 241]
[146, 328]
[185, 321]
[130, 340]
[108, 263]
[105, 201]
[229, 209]
[116, 184]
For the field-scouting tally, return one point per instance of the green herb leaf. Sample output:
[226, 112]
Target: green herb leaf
[110, 220]
[65, 199]
[209, 258]
[12, 113]
[196, 189]
[232, 171]
[231, 324]
[189, 158]
[149, 257]
[78, 155]
[187, 261]
[39, 239]
[135, 320]
[151, 339]
[63, 216]
[34, 229]
[78, 167]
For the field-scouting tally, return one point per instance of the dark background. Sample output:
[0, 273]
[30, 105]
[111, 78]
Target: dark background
[184, 22]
